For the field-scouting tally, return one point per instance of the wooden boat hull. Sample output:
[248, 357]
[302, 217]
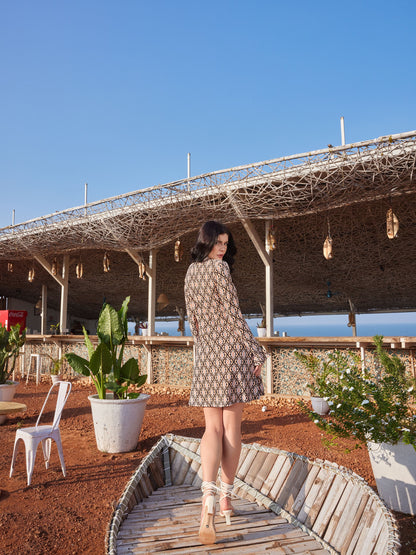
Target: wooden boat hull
[286, 503]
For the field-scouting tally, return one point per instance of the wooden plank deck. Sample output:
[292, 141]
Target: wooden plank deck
[168, 521]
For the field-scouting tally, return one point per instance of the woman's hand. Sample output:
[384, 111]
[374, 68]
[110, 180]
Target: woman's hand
[257, 370]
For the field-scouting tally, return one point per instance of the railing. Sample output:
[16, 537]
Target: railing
[168, 360]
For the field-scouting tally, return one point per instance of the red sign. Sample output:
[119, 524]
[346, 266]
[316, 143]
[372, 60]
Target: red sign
[10, 318]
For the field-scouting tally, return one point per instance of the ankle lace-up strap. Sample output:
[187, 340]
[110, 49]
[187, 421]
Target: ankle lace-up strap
[209, 488]
[226, 490]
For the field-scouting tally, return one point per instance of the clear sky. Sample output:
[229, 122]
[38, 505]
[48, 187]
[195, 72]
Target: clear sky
[116, 93]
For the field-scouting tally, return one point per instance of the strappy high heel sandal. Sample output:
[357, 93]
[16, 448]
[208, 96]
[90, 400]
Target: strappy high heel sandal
[207, 528]
[225, 493]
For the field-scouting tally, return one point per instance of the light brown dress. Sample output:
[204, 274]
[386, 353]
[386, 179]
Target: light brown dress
[226, 351]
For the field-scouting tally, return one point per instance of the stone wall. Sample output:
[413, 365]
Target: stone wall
[171, 360]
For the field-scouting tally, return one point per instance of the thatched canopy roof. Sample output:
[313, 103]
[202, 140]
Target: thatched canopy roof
[347, 190]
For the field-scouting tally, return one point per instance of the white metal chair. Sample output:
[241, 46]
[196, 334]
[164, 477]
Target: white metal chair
[33, 435]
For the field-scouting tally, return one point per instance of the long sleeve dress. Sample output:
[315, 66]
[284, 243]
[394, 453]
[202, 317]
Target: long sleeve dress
[226, 351]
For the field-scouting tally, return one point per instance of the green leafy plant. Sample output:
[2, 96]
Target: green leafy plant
[10, 345]
[320, 369]
[105, 364]
[365, 406]
[56, 364]
[54, 328]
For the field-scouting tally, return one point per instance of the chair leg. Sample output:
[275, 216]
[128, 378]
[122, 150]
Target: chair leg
[31, 448]
[60, 452]
[46, 448]
[15, 450]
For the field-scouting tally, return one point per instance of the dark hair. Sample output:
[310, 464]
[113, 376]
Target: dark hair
[207, 237]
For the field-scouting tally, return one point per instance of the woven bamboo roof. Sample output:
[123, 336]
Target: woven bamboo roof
[346, 190]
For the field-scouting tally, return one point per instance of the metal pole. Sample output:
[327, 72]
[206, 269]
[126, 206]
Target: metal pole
[85, 198]
[13, 214]
[342, 131]
[189, 165]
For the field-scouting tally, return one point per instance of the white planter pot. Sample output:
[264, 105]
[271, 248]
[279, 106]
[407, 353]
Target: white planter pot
[261, 332]
[319, 405]
[394, 468]
[117, 422]
[7, 391]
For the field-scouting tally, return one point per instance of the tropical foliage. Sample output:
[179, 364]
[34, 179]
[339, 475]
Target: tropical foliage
[105, 364]
[378, 407]
[10, 345]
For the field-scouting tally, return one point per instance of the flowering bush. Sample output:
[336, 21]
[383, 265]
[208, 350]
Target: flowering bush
[378, 408]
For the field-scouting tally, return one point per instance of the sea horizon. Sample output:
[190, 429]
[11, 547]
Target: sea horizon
[398, 324]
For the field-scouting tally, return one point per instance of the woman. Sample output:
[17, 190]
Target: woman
[228, 363]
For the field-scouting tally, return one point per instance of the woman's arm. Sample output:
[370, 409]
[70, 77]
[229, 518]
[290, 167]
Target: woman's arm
[229, 299]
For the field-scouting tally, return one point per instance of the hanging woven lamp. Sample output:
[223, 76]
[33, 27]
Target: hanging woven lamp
[10, 266]
[31, 275]
[392, 224]
[271, 239]
[178, 251]
[327, 248]
[106, 263]
[79, 270]
[142, 270]
[54, 268]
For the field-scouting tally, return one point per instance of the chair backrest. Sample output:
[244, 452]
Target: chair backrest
[63, 393]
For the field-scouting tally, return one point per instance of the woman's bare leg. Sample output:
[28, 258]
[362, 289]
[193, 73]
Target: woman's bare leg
[211, 451]
[212, 443]
[231, 446]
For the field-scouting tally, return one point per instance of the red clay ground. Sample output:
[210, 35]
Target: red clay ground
[69, 515]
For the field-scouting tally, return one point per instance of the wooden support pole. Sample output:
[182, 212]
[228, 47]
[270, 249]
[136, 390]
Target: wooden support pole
[151, 309]
[63, 320]
[44, 313]
[269, 311]
[63, 281]
[269, 286]
[268, 264]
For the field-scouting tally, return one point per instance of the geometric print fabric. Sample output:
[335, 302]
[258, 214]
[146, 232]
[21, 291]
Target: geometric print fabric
[226, 351]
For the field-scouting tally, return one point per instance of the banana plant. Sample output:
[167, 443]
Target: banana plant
[10, 344]
[105, 362]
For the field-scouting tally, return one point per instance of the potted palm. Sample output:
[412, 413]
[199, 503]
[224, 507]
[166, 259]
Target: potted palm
[10, 345]
[261, 328]
[56, 366]
[378, 410]
[118, 406]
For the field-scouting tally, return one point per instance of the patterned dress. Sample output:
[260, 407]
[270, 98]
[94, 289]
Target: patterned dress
[225, 350]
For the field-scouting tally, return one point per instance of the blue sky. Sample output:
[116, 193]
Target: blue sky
[116, 94]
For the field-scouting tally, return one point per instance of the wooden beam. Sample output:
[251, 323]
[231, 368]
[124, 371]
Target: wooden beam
[63, 282]
[139, 260]
[257, 242]
[48, 267]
